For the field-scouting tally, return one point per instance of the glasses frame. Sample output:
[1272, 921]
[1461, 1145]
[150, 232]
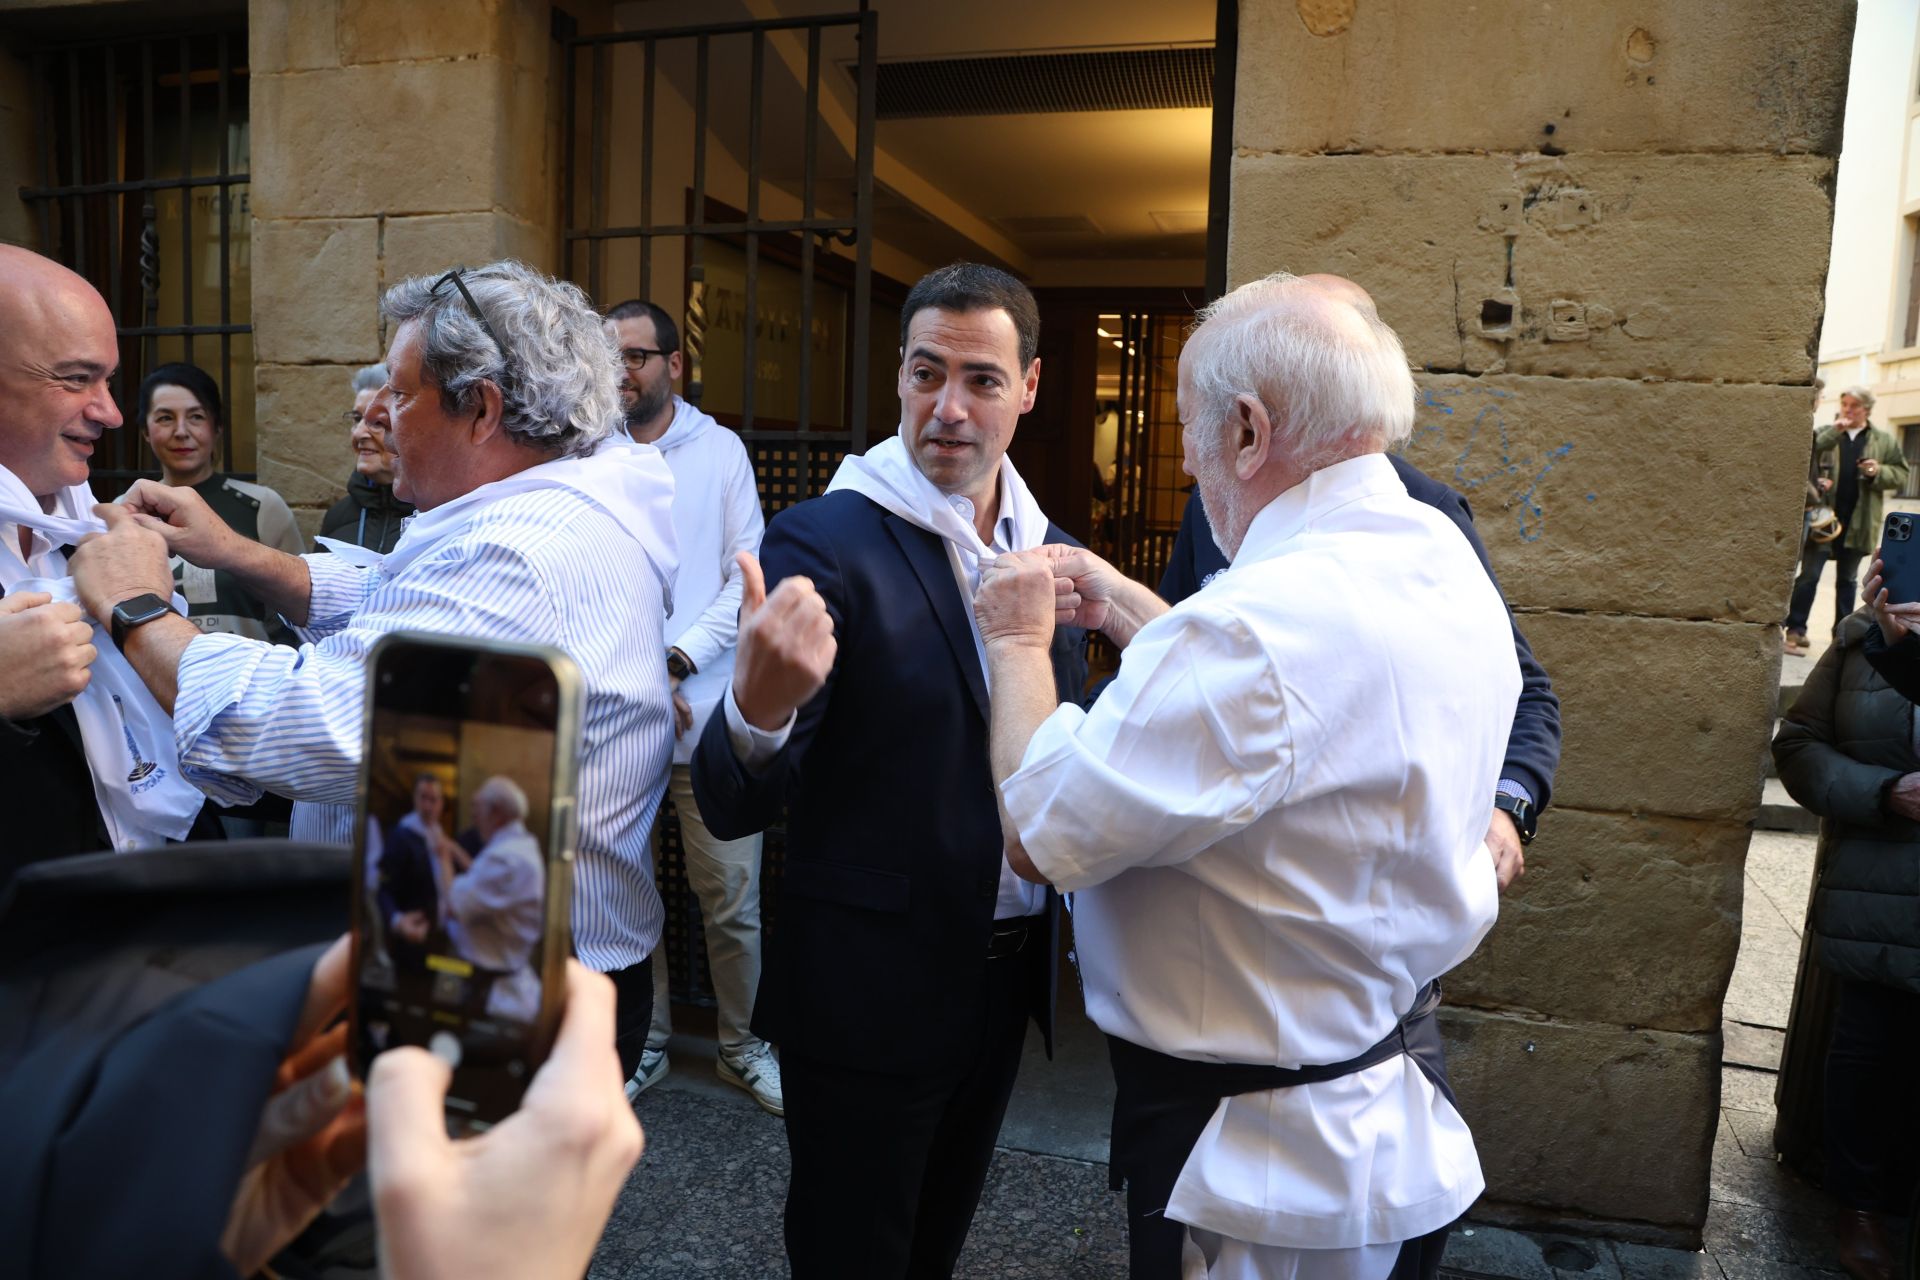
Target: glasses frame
[645, 354]
[455, 277]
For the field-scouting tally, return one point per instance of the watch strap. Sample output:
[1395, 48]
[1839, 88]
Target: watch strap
[1525, 818]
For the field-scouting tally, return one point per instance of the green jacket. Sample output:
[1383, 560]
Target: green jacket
[1863, 531]
[1848, 735]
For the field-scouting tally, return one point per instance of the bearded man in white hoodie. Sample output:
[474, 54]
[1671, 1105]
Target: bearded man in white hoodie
[533, 525]
[716, 516]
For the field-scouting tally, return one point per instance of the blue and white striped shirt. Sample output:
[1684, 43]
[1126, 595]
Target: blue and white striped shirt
[547, 566]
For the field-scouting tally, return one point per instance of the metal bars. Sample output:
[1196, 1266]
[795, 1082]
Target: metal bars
[748, 311]
[98, 108]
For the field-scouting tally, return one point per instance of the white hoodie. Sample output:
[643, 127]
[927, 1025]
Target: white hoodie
[716, 514]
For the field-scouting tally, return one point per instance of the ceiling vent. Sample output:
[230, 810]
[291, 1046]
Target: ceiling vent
[1072, 224]
[1043, 83]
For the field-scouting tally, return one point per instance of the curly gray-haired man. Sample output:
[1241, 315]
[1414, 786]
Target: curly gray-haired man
[501, 389]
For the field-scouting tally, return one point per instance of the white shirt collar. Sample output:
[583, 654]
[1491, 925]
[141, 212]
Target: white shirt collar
[1324, 490]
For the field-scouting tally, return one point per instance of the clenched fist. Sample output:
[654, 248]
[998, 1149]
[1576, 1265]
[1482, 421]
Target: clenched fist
[786, 646]
[46, 649]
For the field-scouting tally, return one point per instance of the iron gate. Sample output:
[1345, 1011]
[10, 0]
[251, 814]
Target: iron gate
[793, 456]
[107, 182]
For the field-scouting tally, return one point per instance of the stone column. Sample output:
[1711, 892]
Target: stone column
[1602, 231]
[388, 140]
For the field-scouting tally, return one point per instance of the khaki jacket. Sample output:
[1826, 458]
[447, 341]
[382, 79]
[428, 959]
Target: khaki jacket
[1863, 531]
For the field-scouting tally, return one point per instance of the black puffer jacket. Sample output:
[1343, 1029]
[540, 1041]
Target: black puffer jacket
[1847, 738]
[369, 516]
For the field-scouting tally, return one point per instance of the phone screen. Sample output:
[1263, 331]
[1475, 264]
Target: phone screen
[457, 941]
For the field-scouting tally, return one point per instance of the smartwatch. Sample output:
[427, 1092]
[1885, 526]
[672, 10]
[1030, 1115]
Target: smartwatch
[679, 666]
[1525, 817]
[136, 612]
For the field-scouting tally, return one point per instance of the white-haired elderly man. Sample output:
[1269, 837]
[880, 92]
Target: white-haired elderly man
[1273, 818]
[501, 391]
[1857, 465]
[495, 905]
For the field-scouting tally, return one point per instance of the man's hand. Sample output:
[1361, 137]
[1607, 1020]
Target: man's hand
[313, 1132]
[189, 525]
[1503, 842]
[1869, 467]
[412, 926]
[530, 1196]
[128, 560]
[1101, 598]
[682, 714]
[1824, 483]
[1895, 619]
[786, 646]
[1904, 799]
[47, 651]
[1018, 599]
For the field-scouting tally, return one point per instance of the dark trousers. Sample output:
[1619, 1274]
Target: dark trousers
[1845, 586]
[632, 1013]
[887, 1170]
[1869, 1102]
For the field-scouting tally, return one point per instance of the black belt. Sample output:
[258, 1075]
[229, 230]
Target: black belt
[1162, 1104]
[1009, 937]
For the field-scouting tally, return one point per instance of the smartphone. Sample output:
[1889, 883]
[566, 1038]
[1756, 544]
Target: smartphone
[1900, 556]
[463, 861]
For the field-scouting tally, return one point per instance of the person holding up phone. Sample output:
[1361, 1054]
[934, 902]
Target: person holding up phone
[1865, 463]
[534, 527]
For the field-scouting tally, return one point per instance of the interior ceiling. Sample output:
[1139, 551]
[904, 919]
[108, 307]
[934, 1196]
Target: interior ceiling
[1021, 188]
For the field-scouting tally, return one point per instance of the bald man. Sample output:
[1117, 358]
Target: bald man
[58, 349]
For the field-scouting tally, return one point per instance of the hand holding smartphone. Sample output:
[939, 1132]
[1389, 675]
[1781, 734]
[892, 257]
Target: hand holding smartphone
[463, 862]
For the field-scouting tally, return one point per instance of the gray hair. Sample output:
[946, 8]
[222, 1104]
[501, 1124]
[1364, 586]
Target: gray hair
[504, 796]
[369, 378]
[559, 378]
[1332, 376]
[1864, 396]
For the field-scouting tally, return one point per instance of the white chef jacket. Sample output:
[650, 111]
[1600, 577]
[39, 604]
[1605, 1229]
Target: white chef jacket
[1274, 822]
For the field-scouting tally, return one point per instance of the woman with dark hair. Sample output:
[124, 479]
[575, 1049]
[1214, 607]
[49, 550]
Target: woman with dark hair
[180, 410]
[1847, 751]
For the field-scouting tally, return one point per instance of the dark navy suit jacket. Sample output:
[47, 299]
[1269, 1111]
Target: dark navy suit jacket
[894, 844]
[1533, 748]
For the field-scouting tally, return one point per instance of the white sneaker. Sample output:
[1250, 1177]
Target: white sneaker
[758, 1072]
[652, 1070]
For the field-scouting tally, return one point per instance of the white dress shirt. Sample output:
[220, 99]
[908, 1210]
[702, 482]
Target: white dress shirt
[495, 906]
[1273, 819]
[545, 565]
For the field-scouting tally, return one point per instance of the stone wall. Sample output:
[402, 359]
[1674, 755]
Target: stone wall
[388, 140]
[1602, 230]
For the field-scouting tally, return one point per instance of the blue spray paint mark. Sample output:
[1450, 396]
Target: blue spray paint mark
[1516, 476]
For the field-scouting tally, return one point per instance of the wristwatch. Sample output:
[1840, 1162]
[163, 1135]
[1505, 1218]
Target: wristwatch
[138, 611]
[1525, 817]
[679, 666]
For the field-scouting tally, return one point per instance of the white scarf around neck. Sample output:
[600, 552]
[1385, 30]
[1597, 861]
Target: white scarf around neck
[144, 799]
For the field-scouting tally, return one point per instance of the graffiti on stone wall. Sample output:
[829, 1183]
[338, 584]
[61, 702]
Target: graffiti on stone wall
[1467, 427]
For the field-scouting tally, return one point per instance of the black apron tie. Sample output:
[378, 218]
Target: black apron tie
[1161, 1106]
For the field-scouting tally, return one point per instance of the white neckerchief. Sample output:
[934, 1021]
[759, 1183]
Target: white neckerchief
[629, 481]
[886, 474]
[144, 801]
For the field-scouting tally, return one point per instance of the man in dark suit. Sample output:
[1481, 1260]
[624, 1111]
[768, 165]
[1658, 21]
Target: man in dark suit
[58, 352]
[410, 875]
[908, 957]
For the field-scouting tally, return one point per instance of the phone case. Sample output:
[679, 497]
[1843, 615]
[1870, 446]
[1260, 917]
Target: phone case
[1900, 557]
[562, 828]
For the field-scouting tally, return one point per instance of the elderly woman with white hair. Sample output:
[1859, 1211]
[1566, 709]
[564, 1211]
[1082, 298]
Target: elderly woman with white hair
[1858, 464]
[370, 515]
[536, 525]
